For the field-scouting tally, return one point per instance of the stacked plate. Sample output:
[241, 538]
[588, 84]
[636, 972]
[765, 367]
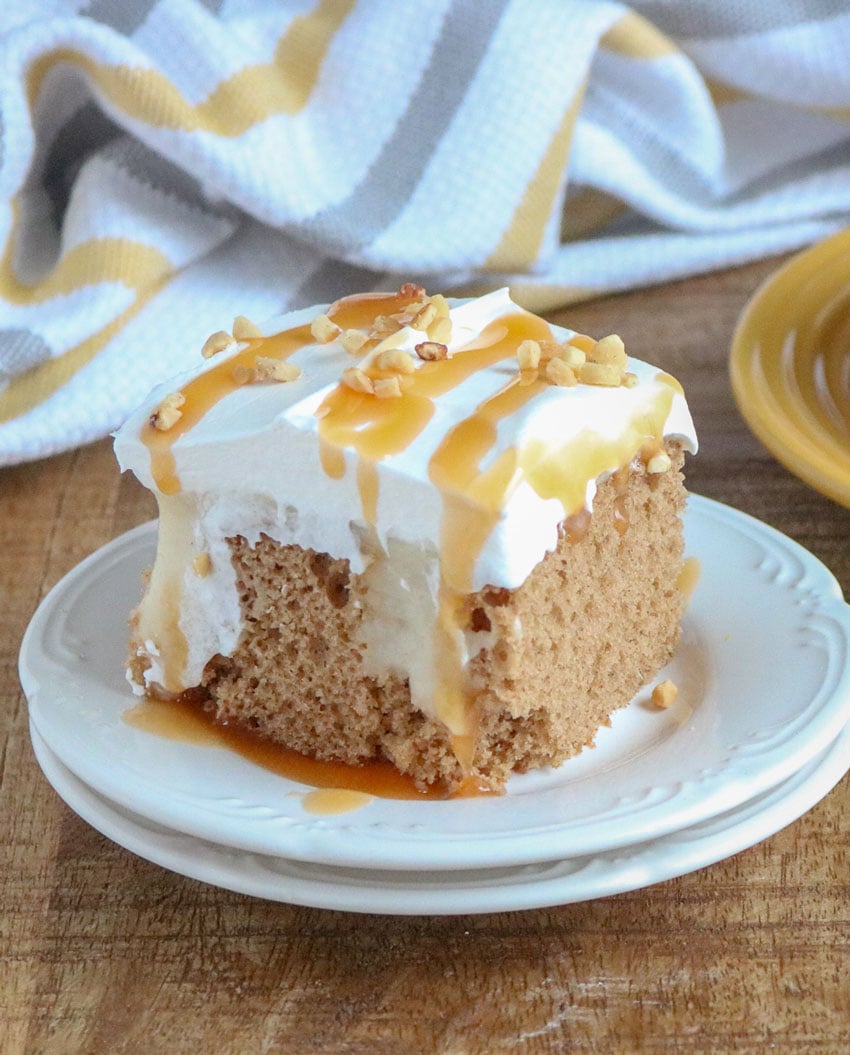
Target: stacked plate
[758, 734]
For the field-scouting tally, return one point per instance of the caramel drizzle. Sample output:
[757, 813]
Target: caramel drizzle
[174, 648]
[202, 393]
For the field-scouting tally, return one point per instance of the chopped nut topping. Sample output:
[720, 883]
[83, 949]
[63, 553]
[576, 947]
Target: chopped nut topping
[609, 350]
[217, 342]
[431, 351]
[424, 317]
[395, 359]
[353, 340]
[276, 369]
[323, 329]
[202, 565]
[559, 373]
[244, 329]
[357, 380]
[441, 304]
[384, 325]
[412, 309]
[243, 375]
[386, 387]
[582, 341]
[605, 374]
[630, 380]
[658, 463]
[412, 290]
[528, 355]
[664, 694]
[548, 350]
[440, 329]
[168, 413]
[571, 355]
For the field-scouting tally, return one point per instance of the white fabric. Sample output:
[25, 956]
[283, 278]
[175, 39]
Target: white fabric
[168, 165]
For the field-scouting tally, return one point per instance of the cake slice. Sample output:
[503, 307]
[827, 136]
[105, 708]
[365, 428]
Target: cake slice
[447, 536]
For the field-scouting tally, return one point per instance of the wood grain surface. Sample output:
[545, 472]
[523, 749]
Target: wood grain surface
[103, 953]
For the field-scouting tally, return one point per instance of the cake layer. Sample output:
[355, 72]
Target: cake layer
[435, 451]
[549, 661]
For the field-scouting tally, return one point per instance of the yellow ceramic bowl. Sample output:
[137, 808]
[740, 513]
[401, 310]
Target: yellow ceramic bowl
[790, 366]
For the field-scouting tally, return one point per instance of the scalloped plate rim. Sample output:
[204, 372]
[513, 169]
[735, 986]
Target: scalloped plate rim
[354, 841]
[517, 888]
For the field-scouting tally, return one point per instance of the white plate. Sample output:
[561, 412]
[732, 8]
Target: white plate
[764, 687]
[535, 885]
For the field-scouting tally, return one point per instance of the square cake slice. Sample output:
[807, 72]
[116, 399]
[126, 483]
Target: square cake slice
[442, 535]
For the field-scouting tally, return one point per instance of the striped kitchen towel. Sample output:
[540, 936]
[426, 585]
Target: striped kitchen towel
[168, 164]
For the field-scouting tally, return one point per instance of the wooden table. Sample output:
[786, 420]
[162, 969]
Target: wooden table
[104, 953]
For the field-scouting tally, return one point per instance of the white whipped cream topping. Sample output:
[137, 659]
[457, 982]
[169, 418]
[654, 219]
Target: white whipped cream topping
[252, 465]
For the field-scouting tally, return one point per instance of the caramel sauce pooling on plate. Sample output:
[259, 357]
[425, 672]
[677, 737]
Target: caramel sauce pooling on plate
[346, 786]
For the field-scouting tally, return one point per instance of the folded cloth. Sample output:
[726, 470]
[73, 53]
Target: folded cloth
[169, 165]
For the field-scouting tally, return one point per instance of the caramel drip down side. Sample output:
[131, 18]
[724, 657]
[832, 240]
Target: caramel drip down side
[158, 615]
[472, 502]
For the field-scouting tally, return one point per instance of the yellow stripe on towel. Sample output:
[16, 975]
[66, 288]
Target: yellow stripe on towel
[133, 264]
[522, 239]
[138, 267]
[251, 95]
[35, 386]
[637, 38]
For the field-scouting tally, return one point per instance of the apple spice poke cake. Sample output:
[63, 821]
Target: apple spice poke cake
[446, 535]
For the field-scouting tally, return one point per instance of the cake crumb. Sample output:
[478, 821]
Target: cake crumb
[424, 317]
[664, 695]
[384, 326]
[441, 305]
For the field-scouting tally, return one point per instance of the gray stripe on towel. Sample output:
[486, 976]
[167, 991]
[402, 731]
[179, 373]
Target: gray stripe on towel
[708, 19]
[396, 171]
